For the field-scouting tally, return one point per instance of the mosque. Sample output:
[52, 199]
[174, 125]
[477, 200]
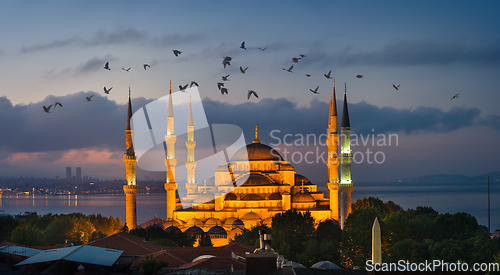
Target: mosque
[250, 189]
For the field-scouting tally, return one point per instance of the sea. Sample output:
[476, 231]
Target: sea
[444, 197]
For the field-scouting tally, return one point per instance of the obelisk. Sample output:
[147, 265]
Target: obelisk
[376, 243]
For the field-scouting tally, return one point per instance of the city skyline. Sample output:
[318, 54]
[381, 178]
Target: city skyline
[433, 50]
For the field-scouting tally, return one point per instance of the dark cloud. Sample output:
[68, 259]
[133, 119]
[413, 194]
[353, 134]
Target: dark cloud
[411, 53]
[51, 45]
[96, 63]
[121, 35]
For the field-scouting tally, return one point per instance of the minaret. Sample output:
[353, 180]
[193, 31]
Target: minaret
[190, 162]
[333, 160]
[130, 188]
[170, 161]
[345, 163]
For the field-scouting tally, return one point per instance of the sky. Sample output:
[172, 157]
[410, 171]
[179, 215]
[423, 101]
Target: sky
[54, 51]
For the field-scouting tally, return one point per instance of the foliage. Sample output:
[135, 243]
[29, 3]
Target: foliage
[7, 225]
[81, 230]
[159, 236]
[152, 266]
[205, 241]
[108, 226]
[28, 236]
[57, 232]
[250, 236]
[290, 231]
[96, 235]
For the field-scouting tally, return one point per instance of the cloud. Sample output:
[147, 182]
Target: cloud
[94, 64]
[121, 35]
[402, 53]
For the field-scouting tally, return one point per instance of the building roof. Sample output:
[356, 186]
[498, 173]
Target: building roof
[251, 216]
[254, 180]
[275, 196]
[195, 230]
[303, 197]
[231, 197]
[205, 197]
[173, 228]
[130, 244]
[217, 230]
[345, 114]
[81, 254]
[252, 197]
[256, 151]
[299, 178]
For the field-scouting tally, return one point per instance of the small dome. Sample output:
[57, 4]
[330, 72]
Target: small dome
[238, 223]
[256, 151]
[212, 222]
[195, 230]
[172, 228]
[217, 230]
[172, 223]
[254, 180]
[286, 167]
[159, 225]
[205, 197]
[231, 197]
[268, 221]
[251, 216]
[275, 196]
[252, 197]
[303, 197]
[235, 231]
[229, 221]
[299, 178]
[325, 265]
[194, 222]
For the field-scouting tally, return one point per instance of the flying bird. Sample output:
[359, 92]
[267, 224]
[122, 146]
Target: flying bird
[183, 88]
[89, 98]
[220, 85]
[226, 61]
[250, 93]
[47, 109]
[106, 91]
[126, 69]
[106, 66]
[146, 65]
[308, 75]
[262, 49]
[302, 56]
[315, 91]
[176, 52]
[224, 91]
[225, 78]
[193, 83]
[289, 69]
[243, 45]
[296, 60]
[359, 76]
[455, 96]
[328, 75]
[57, 103]
[396, 87]
[243, 70]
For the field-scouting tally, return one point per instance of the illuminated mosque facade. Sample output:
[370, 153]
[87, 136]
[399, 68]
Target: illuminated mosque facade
[249, 190]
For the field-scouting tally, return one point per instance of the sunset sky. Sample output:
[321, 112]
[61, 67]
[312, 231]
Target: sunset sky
[55, 51]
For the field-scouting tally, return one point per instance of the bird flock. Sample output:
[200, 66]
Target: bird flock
[226, 61]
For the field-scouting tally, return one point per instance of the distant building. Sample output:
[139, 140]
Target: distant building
[68, 172]
[78, 173]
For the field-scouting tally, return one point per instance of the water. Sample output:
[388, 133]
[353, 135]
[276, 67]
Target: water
[469, 197]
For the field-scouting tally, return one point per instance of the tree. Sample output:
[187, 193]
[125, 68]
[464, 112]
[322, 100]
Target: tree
[58, 230]
[290, 230]
[125, 229]
[7, 225]
[96, 235]
[205, 241]
[250, 236]
[152, 266]
[357, 236]
[81, 230]
[28, 236]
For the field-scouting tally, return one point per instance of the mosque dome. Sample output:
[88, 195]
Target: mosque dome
[252, 197]
[211, 222]
[229, 221]
[217, 231]
[195, 230]
[222, 168]
[303, 197]
[231, 197]
[256, 151]
[159, 225]
[299, 178]
[194, 222]
[205, 197]
[275, 196]
[238, 223]
[172, 223]
[254, 180]
[173, 228]
[251, 216]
